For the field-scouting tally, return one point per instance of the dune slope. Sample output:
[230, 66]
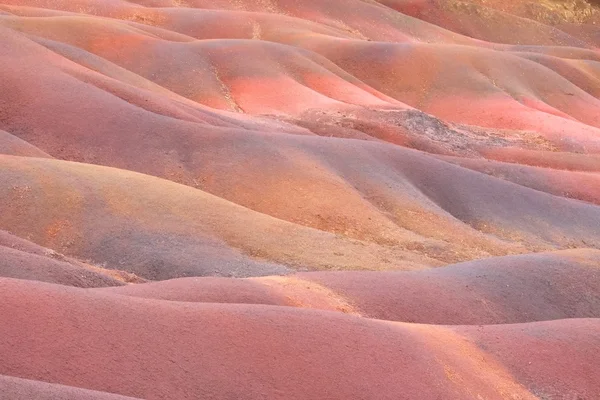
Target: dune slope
[283, 199]
[259, 345]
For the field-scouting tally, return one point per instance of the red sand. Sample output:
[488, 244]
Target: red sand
[501, 290]
[155, 349]
[285, 163]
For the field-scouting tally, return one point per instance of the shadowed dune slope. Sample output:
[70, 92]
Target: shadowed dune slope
[12, 145]
[581, 185]
[12, 388]
[17, 264]
[259, 346]
[25, 260]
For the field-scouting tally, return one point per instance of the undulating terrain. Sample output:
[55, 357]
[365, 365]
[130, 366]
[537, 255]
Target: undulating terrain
[299, 199]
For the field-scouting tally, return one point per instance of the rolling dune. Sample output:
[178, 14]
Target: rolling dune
[500, 290]
[277, 352]
[284, 199]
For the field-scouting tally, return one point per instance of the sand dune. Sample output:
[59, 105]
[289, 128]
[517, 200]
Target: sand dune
[259, 345]
[498, 290]
[95, 205]
[345, 199]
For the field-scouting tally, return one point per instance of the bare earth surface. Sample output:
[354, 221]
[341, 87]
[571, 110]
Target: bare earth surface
[299, 199]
